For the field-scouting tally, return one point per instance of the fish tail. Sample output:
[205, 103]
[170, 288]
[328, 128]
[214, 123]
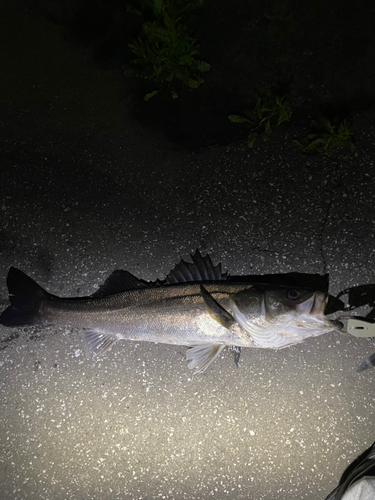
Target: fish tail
[26, 297]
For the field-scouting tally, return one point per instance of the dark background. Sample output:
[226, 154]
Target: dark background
[321, 52]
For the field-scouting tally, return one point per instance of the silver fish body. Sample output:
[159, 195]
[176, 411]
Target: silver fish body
[174, 314]
[207, 314]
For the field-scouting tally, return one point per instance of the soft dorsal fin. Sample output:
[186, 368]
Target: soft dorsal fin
[119, 281]
[201, 269]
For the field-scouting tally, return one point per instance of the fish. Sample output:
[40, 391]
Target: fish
[196, 305]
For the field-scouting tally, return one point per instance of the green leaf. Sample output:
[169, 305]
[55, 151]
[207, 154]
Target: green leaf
[193, 84]
[158, 6]
[285, 114]
[316, 143]
[238, 119]
[267, 131]
[298, 143]
[349, 145]
[133, 10]
[186, 60]
[251, 139]
[150, 94]
[203, 66]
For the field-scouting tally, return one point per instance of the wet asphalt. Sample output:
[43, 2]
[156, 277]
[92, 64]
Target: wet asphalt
[85, 190]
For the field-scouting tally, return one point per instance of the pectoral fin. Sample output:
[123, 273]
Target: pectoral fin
[216, 310]
[202, 355]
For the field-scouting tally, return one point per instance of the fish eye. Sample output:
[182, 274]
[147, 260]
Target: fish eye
[292, 294]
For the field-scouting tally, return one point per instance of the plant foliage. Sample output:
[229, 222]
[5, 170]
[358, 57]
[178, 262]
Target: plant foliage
[326, 137]
[270, 111]
[165, 52]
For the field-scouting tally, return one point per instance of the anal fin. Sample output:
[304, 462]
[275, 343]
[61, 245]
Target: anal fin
[97, 343]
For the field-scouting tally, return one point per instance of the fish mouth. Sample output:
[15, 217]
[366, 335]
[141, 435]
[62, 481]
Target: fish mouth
[319, 303]
[315, 305]
[320, 300]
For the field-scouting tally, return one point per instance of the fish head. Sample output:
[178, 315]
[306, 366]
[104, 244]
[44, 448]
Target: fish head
[280, 316]
[293, 302]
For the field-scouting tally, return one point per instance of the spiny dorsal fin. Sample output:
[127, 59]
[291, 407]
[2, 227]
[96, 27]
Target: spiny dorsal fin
[202, 269]
[119, 281]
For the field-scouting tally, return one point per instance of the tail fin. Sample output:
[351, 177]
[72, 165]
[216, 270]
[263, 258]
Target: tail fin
[25, 297]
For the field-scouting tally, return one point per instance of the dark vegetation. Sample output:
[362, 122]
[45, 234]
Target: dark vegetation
[164, 52]
[204, 61]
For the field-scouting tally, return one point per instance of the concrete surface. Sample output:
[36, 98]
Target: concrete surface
[84, 190]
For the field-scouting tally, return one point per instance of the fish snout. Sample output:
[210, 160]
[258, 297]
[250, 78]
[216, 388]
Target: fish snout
[319, 303]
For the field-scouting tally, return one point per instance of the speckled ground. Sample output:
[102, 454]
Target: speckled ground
[84, 190]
